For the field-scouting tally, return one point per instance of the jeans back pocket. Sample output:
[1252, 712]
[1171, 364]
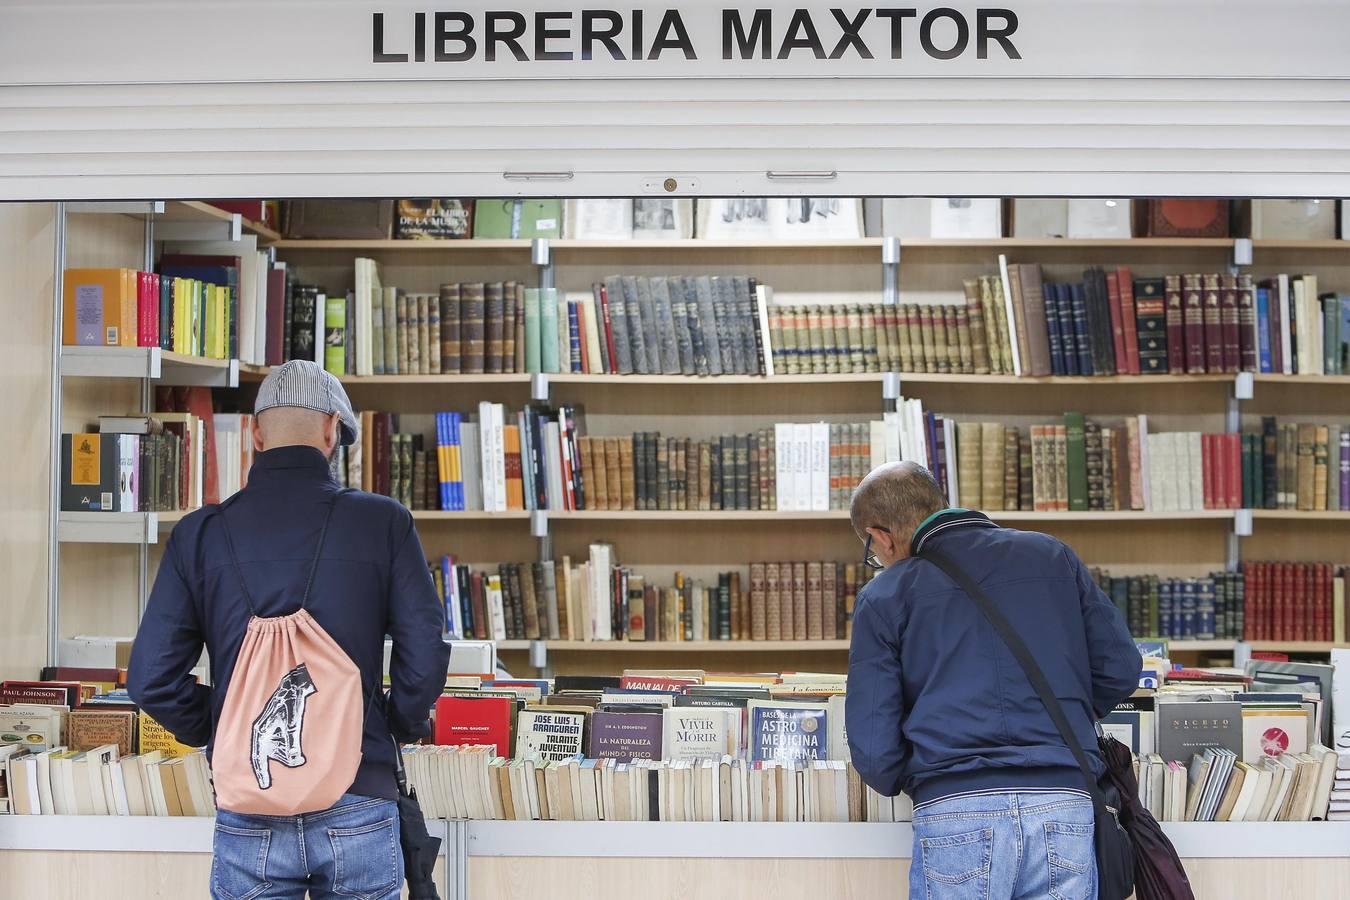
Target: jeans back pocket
[365, 860]
[239, 862]
[956, 867]
[1072, 857]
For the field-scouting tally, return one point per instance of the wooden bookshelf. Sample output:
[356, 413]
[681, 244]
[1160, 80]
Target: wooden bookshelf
[868, 244]
[679, 646]
[1303, 515]
[664, 515]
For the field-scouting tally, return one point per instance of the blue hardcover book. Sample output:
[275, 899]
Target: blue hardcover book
[454, 627]
[165, 313]
[1345, 344]
[1263, 329]
[1206, 612]
[1190, 605]
[1051, 294]
[464, 585]
[457, 478]
[574, 336]
[1082, 340]
[787, 732]
[1166, 625]
[1067, 341]
[526, 465]
[442, 440]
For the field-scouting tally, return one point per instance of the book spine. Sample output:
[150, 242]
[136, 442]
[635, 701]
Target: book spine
[1178, 332]
[1117, 316]
[1130, 319]
[979, 335]
[1210, 333]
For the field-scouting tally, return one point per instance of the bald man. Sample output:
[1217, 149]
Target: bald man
[938, 707]
[370, 581]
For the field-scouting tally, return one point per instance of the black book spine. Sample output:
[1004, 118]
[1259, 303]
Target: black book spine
[1269, 458]
[729, 496]
[724, 606]
[640, 470]
[743, 472]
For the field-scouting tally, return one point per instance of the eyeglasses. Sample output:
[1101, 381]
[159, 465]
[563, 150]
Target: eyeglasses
[869, 558]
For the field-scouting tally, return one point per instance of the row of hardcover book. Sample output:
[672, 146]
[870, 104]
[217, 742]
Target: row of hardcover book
[598, 599]
[187, 307]
[1112, 323]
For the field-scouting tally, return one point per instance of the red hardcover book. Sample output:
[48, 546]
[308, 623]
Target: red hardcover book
[609, 328]
[42, 693]
[1251, 619]
[1128, 313]
[478, 600]
[276, 315]
[1176, 333]
[1276, 588]
[1207, 460]
[1193, 305]
[481, 721]
[146, 310]
[253, 210]
[1212, 319]
[1328, 596]
[1117, 321]
[1228, 317]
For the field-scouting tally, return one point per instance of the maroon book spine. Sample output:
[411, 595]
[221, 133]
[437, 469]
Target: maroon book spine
[1176, 334]
[1229, 317]
[1213, 323]
[1193, 306]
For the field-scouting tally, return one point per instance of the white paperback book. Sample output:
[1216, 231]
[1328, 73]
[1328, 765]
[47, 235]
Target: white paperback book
[1008, 313]
[485, 455]
[782, 440]
[801, 467]
[820, 466]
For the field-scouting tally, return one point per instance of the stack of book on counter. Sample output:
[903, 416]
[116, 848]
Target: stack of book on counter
[1225, 745]
[69, 751]
[670, 746]
[598, 599]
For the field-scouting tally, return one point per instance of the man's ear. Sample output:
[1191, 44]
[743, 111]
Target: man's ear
[258, 444]
[333, 434]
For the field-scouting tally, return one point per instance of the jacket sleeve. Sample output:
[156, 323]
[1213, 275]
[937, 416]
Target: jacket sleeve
[419, 658]
[874, 705]
[168, 645]
[1115, 660]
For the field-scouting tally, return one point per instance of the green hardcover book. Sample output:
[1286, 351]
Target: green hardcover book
[494, 219]
[335, 335]
[1075, 431]
[548, 330]
[1331, 334]
[533, 345]
[503, 219]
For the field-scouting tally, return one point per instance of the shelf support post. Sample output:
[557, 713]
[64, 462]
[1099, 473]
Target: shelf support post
[890, 270]
[1242, 253]
[541, 254]
[54, 449]
[890, 391]
[143, 551]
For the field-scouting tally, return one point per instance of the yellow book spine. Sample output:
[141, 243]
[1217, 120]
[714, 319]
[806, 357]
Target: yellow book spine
[222, 323]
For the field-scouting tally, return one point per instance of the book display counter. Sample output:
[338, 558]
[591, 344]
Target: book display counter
[81, 856]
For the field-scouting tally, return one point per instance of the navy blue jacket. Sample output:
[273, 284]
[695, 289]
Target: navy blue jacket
[937, 705]
[372, 581]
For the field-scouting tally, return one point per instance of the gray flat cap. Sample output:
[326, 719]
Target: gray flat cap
[304, 384]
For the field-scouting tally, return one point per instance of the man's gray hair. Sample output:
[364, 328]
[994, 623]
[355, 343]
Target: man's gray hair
[897, 497]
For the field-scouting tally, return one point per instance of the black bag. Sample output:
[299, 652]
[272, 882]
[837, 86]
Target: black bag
[1114, 848]
[419, 848]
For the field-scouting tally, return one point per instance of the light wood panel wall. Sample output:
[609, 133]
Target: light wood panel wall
[99, 583]
[68, 875]
[27, 251]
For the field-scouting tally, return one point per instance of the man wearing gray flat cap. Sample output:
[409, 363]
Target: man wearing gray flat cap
[294, 538]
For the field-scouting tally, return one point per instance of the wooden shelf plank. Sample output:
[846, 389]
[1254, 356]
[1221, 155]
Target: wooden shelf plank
[1343, 245]
[1324, 380]
[409, 245]
[680, 646]
[1308, 515]
[862, 244]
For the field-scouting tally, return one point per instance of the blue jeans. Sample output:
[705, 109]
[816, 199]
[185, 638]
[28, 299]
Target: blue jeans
[1004, 845]
[350, 851]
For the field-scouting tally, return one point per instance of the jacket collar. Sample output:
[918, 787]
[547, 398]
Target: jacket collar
[946, 519]
[298, 460]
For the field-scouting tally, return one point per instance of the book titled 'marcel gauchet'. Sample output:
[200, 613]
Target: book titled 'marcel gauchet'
[787, 732]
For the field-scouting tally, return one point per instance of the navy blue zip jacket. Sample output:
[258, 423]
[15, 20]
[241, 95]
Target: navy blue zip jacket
[937, 705]
[372, 581]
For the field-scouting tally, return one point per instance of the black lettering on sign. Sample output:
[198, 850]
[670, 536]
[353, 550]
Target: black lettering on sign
[420, 37]
[733, 30]
[808, 39]
[461, 34]
[897, 17]
[543, 34]
[590, 33]
[926, 33]
[510, 37]
[984, 31]
[850, 37]
[377, 30]
[664, 41]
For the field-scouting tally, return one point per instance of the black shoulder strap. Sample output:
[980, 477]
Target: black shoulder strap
[313, 567]
[1022, 654]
